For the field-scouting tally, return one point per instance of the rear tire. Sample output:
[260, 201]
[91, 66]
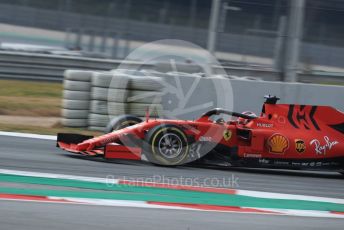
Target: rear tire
[166, 145]
[121, 122]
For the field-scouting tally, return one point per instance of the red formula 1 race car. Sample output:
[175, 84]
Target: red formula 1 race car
[283, 136]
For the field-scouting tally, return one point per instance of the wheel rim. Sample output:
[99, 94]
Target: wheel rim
[170, 145]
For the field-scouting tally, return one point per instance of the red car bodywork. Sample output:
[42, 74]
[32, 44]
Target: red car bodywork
[283, 136]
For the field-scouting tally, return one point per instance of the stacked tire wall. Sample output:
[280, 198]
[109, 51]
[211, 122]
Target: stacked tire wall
[117, 93]
[92, 99]
[76, 97]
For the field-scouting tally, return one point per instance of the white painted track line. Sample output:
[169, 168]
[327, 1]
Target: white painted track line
[28, 135]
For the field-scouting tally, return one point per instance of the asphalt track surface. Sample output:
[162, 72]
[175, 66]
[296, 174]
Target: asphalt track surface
[42, 156]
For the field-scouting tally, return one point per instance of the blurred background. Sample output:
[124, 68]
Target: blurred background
[287, 36]
[262, 47]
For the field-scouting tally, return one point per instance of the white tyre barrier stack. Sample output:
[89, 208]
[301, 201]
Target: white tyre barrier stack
[98, 115]
[116, 93]
[99, 93]
[125, 95]
[75, 104]
[76, 96]
[91, 99]
[135, 94]
[138, 96]
[98, 121]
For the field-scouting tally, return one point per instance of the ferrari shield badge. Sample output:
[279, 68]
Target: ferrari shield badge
[227, 134]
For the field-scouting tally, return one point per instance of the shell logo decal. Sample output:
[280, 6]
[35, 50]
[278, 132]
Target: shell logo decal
[278, 143]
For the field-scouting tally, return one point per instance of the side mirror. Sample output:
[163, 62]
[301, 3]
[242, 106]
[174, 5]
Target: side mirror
[271, 99]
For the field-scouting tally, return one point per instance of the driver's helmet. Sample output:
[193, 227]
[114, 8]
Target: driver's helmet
[220, 121]
[244, 121]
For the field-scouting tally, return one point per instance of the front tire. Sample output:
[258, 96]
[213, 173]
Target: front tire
[166, 145]
[121, 122]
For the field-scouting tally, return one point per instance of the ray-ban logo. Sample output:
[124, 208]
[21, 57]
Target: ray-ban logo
[322, 149]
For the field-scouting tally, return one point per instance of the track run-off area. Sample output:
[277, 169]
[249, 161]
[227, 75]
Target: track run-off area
[60, 189]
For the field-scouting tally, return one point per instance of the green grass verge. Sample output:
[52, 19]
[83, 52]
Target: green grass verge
[16, 88]
[33, 99]
[30, 98]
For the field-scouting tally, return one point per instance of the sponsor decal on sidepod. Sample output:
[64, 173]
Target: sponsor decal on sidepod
[322, 149]
[278, 143]
[300, 145]
[265, 125]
